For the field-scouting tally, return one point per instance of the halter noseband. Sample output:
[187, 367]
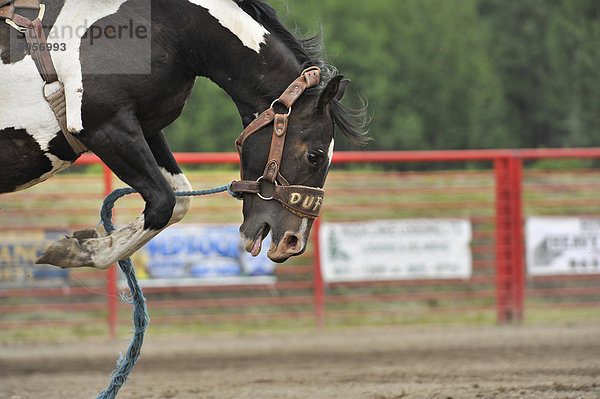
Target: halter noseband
[301, 200]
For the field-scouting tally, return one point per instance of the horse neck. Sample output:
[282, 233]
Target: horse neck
[253, 80]
[252, 74]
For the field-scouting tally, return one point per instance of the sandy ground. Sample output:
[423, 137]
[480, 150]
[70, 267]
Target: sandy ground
[554, 361]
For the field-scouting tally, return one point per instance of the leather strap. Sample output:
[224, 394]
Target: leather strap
[277, 143]
[7, 12]
[303, 201]
[8, 8]
[34, 34]
[55, 95]
[310, 77]
[261, 121]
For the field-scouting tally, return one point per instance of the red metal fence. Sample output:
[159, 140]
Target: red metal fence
[491, 188]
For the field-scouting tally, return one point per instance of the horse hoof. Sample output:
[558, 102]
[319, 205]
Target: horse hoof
[81, 235]
[69, 252]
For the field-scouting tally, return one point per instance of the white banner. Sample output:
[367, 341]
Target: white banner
[563, 245]
[395, 250]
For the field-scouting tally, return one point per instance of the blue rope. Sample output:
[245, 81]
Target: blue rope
[136, 297]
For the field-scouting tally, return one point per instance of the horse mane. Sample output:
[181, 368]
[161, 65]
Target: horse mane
[310, 51]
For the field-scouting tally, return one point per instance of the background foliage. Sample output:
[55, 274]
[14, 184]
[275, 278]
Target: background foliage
[442, 74]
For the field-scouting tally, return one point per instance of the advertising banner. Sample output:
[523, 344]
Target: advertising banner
[563, 245]
[396, 250]
[18, 253]
[197, 251]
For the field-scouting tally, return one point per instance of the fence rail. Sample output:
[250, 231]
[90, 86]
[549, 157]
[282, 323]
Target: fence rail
[495, 198]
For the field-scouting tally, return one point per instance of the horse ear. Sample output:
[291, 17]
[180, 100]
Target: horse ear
[343, 84]
[332, 91]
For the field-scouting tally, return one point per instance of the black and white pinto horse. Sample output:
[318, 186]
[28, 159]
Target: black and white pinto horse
[240, 45]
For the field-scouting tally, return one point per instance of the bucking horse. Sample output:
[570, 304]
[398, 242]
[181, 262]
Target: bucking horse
[107, 76]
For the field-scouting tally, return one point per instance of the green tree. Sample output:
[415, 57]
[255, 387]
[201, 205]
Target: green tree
[442, 74]
[546, 53]
[423, 65]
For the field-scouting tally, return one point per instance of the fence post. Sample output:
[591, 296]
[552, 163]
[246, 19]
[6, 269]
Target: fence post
[111, 280]
[318, 287]
[510, 273]
[518, 237]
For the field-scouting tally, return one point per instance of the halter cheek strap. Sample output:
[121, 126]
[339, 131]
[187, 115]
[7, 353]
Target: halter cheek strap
[301, 200]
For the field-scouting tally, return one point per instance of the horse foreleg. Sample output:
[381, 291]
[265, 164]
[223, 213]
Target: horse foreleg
[172, 174]
[154, 177]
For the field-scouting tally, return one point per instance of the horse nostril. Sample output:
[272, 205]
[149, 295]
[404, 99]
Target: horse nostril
[291, 242]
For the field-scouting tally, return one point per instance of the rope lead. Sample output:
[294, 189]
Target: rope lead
[140, 313]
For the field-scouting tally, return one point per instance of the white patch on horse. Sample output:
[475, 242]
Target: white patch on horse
[24, 107]
[57, 165]
[330, 152]
[72, 23]
[21, 86]
[302, 233]
[303, 226]
[178, 182]
[231, 16]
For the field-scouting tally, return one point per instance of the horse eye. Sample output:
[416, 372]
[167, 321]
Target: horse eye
[314, 158]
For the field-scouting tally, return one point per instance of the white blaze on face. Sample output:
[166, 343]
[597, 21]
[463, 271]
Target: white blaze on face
[231, 16]
[303, 226]
[330, 152]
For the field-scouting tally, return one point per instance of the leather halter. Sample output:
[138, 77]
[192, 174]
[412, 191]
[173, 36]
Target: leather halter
[301, 200]
[38, 48]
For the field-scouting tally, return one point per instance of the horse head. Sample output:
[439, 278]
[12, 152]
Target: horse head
[287, 204]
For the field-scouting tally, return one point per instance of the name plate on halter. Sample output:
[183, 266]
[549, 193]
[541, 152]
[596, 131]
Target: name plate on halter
[395, 250]
[307, 202]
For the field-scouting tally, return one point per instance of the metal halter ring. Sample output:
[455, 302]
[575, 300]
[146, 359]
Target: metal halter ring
[260, 195]
[277, 101]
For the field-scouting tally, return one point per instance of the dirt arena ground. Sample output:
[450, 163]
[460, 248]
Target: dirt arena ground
[549, 361]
